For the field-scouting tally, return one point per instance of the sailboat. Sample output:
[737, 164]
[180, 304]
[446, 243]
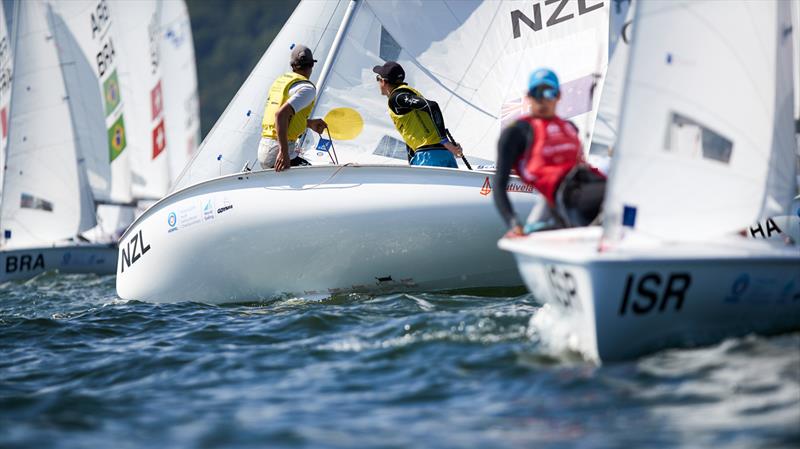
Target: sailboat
[52, 173]
[706, 146]
[372, 223]
[179, 86]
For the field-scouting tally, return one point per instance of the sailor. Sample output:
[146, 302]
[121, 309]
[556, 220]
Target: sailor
[418, 120]
[545, 152]
[289, 104]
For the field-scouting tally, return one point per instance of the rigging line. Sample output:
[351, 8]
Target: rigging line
[433, 76]
[478, 50]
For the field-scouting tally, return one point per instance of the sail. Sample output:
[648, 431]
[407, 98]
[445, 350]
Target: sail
[137, 27]
[85, 34]
[234, 139]
[473, 58]
[605, 127]
[179, 85]
[45, 195]
[6, 66]
[705, 145]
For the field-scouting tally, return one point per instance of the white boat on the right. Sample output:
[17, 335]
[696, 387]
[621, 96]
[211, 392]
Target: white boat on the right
[705, 149]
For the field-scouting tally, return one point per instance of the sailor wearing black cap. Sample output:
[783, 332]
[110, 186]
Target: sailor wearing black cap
[289, 104]
[419, 121]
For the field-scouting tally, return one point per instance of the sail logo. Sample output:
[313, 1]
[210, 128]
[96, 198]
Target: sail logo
[133, 251]
[208, 211]
[25, 262]
[116, 139]
[560, 11]
[111, 93]
[159, 139]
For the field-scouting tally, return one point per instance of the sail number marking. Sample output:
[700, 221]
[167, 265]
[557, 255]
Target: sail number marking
[557, 14]
[563, 285]
[133, 251]
[643, 293]
[25, 262]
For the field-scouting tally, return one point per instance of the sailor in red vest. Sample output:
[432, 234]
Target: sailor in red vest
[546, 153]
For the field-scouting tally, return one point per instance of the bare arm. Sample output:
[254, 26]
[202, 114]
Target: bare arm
[282, 118]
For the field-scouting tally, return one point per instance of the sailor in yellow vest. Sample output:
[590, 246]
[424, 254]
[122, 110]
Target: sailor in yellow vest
[419, 121]
[289, 104]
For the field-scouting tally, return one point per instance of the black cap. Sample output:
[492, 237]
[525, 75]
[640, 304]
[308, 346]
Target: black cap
[391, 72]
[301, 56]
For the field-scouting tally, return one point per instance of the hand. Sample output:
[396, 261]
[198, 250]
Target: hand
[282, 162]
[317, 125]
[454, 148]
[515, 232]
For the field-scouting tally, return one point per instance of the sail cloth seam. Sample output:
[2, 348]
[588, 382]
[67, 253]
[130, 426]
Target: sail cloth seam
[732, 51]
[436, 78]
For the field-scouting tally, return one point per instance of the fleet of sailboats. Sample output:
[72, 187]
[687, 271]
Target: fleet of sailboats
[374, 224]
[80, 126]
[100, 129]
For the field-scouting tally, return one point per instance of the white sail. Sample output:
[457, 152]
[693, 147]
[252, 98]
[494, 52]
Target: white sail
[85, 33]
[138, 29]
[605, 127]
[473, 58]
[6, 69]
[234, 139]
[179, 85]
[45, 195]
[686, 167]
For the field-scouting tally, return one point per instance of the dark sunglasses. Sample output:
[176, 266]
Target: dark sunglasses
[378, 78]
[546, 92]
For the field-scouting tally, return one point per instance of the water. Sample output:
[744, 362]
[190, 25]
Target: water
[80, 368]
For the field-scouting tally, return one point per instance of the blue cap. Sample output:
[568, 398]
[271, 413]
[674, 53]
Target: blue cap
[543, 77]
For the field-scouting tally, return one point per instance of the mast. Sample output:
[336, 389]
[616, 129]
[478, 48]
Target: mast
[334, 51]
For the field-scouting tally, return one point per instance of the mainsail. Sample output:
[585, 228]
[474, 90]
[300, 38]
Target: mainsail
[700, 170]
[138, 30]
[46, 197]
[6, 66]
[473, 58]
[605, 127]
[85, 34]
[179, 85]
[234, 139]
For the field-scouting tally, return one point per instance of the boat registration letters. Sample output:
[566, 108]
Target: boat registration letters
[134, 250]
[25, 262]
[649, 287]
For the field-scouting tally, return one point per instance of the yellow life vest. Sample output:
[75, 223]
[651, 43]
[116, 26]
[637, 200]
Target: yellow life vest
[416, 127]
[278, 96]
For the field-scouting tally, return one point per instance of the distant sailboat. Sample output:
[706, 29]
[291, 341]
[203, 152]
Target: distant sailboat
[47, 196]
[179, 86]
[365, 228]
[705, 148]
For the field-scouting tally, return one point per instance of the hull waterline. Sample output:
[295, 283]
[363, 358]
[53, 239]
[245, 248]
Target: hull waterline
[319, 231]
[630, 303]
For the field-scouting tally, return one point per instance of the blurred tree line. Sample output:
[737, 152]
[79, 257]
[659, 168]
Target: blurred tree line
[229, 38]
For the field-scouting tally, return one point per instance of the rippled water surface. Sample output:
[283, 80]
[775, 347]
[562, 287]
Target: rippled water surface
[81, 368]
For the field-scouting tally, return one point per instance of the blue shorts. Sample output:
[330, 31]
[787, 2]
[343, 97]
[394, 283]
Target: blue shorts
[434, 158]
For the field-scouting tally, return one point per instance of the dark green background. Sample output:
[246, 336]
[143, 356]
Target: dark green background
[229, 38]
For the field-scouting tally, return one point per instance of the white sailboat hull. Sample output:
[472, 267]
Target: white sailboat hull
[25, 263]
[635, 300]
[318, 231]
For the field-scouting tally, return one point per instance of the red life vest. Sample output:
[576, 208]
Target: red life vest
[554, 152]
